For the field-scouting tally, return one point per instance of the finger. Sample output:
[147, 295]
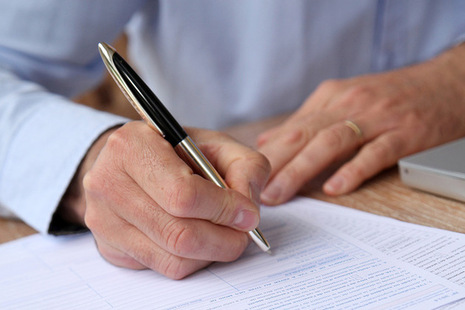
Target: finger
[133, 249]
[265, 136]
[246, 172]
[153, 164]
[244, 169]
[197, 239]
[194, 197]
[375, 156]
[290, 140]
[117, 257]
[328, 145]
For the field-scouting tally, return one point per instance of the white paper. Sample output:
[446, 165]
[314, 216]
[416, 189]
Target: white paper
[324, 257]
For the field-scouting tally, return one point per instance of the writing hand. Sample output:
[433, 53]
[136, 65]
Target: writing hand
[397, 113]
[147, 209]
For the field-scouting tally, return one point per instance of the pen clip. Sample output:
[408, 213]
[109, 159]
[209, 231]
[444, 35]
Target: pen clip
[107, 52]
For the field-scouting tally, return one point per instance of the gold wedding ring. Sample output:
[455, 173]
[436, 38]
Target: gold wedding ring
[354, 128]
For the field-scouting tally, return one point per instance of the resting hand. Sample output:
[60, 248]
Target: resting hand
[147, 209]
[397, 113]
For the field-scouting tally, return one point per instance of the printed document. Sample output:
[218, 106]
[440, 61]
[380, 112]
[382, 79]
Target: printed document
[324, 256]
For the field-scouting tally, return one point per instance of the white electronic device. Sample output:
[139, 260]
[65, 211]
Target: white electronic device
[439, 170]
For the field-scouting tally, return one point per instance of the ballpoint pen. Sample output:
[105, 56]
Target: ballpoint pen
[159, 118]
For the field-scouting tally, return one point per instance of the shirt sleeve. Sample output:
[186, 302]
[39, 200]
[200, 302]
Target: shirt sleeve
[43, 140]
[48, 54]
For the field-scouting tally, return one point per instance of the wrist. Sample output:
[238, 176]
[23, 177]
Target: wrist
[72, 207]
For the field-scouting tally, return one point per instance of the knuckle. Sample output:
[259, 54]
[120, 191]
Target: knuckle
[359, 91]
[160, 261]
[355, 171]
[182, 197]
[293, 173]
[385, 152]
[329, 85]
[173, 267]
[258, 161]
[386, 104]
[181, 239]
[415, 118]
[117, 140]
[331, 138]
[357, 99]
[224, 214]
[381, 150]
[118, 258]
[92, 182]
[236, 247]
[298, 135]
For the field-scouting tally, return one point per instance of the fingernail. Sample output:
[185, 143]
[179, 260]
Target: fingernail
[246, 220]
[254, 193]
[272, 193]
[335, 185]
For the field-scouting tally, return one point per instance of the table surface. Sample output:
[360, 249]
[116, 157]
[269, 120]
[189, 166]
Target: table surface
[383, 195]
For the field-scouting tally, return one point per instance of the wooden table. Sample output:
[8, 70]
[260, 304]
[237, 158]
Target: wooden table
[384, 195]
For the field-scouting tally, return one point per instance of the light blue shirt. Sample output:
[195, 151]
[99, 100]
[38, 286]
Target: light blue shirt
[213, 63]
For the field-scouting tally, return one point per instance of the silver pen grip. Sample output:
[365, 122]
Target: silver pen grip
[190, 153]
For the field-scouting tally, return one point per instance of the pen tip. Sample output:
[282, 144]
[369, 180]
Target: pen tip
[268, 252]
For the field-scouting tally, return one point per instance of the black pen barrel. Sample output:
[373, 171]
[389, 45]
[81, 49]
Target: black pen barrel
[166, 123]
